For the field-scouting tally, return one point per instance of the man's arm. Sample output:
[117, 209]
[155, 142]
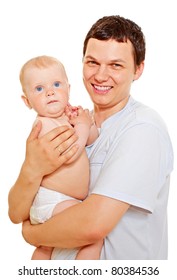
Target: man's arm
[79, 225]
[43, 156]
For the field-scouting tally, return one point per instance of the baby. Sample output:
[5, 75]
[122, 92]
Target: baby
[46, 90]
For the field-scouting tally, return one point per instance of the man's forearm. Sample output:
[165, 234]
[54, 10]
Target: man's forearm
[22, 194]
[42, 157]
[79, 225]
[59, 231]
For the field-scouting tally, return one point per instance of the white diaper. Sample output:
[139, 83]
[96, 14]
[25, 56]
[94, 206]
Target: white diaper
[44, 204]
[64, 254]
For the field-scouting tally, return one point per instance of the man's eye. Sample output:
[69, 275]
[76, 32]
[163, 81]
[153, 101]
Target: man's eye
[92, 62]
[116, 65]
[56, 84]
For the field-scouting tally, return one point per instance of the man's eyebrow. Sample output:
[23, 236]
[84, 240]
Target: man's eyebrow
[116, 60]
[90, 57]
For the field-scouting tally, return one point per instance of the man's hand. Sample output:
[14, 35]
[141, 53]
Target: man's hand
[27, 229]
[47, 153]
[43, 156]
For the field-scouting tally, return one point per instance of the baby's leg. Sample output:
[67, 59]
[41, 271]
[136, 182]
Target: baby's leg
[44, 253]
[63, 205]
[90, 252]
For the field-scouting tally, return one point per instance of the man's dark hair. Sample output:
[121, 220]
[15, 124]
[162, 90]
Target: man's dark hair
[120, 29]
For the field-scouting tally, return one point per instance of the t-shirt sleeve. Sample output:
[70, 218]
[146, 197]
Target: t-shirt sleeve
[134, 168]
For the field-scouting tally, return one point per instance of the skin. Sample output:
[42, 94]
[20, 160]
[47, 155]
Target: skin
[47, 92]
[108, 72]
[49, 98]
[110, 65]
[50, 148]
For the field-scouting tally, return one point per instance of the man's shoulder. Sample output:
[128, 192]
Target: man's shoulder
[144, 114]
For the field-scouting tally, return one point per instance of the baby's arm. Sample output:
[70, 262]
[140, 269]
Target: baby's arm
[93, 134]
[84, 126]
[93, 131]
[82, 123]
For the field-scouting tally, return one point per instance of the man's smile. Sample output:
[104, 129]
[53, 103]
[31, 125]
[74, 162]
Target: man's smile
[101, 89]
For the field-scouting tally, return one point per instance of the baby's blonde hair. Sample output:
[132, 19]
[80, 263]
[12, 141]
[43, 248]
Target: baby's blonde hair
[39, 62]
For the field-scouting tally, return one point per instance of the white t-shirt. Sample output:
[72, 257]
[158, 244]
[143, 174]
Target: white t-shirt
[131, 161]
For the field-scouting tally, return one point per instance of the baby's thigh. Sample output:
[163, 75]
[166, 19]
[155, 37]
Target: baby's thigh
[64, 205]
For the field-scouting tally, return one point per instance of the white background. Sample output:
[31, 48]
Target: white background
[58, 28]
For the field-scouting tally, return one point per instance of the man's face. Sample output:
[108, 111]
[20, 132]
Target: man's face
[108, 71]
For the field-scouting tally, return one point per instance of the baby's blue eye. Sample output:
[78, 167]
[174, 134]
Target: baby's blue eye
[56, 84]
[39, 89]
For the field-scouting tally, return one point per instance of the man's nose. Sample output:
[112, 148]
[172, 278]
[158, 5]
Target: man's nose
[101, 74]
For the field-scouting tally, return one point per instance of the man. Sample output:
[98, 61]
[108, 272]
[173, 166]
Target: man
[130, 162]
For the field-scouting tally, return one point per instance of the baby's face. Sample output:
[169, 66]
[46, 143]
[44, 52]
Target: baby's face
[47, 90]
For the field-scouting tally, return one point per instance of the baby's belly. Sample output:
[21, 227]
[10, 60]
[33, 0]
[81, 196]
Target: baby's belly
[71, 179]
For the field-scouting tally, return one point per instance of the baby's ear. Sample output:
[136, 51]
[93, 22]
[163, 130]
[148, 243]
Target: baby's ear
[26, 101]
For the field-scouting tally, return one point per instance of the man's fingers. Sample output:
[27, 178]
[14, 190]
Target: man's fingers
[65, 140]
[68, 155]
[64, 145]
[58, 131]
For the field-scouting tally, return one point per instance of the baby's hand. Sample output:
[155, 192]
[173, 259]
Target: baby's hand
[83, 117]
[71, 111]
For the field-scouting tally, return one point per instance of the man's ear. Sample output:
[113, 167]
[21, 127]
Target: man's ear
[138, 71]
[26, 101]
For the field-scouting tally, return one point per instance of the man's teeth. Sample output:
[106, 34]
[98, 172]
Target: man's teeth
[102, 88]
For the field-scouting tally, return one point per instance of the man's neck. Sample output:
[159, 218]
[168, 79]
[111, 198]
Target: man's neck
[101, 113]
